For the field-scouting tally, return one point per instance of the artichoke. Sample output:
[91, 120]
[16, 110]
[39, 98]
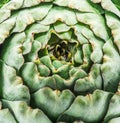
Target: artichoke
[60, 61]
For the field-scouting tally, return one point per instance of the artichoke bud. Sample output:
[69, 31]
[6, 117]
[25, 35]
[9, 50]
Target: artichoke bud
[61, 57]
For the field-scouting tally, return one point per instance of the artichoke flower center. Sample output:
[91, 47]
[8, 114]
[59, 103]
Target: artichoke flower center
[60, 51]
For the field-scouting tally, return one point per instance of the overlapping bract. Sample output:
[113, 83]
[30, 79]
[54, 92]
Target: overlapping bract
[53, 53]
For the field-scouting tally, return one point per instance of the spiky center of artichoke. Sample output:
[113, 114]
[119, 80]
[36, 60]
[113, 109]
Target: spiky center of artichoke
[60, 51]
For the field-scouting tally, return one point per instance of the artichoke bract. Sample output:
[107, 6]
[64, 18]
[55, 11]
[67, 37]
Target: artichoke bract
[60, 61]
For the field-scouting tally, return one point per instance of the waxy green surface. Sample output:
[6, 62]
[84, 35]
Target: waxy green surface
[60, 61]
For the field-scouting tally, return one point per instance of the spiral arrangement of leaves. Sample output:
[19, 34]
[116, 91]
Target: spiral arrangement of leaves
[60, 61]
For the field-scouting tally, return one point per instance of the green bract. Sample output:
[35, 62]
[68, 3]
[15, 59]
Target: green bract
[60, 61]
